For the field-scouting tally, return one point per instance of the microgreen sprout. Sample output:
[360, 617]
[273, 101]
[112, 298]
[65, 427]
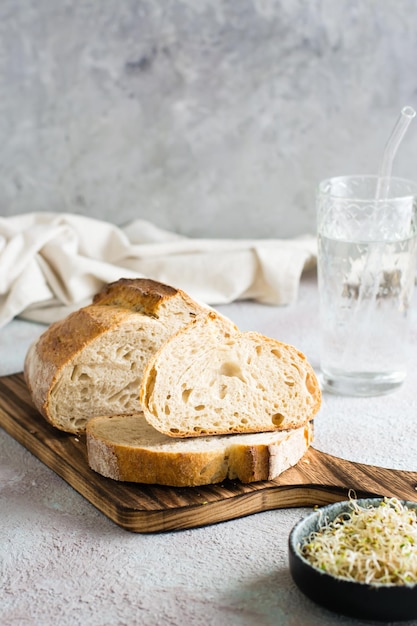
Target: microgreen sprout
[374, 545]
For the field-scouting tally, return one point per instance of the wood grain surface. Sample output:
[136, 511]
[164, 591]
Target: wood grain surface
[317, 479]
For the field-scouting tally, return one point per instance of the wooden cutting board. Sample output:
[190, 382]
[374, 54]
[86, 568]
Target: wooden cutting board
[317, 479]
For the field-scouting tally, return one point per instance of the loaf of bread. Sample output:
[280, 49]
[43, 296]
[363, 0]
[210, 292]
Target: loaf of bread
[91, 363]
[205, 381]
[127, 448]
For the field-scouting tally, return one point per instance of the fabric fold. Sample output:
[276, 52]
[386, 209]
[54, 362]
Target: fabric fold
[53, 263]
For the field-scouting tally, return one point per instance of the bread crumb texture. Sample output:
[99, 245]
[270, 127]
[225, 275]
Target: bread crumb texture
[203, 381]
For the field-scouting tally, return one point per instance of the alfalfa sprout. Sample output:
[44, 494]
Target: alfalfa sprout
[374, 545]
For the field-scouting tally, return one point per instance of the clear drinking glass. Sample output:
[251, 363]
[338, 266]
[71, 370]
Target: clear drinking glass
[367, 255]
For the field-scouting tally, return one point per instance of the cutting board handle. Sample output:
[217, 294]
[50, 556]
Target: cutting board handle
[319, 469]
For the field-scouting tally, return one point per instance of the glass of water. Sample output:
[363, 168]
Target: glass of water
[367, 255]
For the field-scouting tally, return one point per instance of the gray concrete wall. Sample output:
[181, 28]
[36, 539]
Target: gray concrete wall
[208, 117]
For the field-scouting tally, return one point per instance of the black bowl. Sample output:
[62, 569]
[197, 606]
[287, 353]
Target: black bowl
[381, 602]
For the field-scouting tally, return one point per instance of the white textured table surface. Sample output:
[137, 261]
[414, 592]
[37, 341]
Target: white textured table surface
[63, 562]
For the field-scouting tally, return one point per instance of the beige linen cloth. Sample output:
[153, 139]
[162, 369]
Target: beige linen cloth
[53, 263]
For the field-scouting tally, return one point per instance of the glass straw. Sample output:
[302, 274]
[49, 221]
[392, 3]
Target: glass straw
[369, 281]
[391, 147]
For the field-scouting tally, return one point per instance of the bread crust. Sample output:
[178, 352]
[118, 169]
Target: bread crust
[148, 457]
[141, 295]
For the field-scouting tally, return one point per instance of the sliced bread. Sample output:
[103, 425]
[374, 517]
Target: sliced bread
[127, 448]
[205, 381]
[91, 363]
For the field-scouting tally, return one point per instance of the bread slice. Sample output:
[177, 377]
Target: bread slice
[127, 448]
[204, 381]
[91, 363]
